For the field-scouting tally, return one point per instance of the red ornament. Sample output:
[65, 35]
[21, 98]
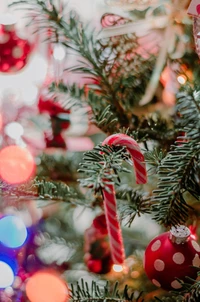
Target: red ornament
[97, 250]
[171, 255]
[14, 51]
[60, 120]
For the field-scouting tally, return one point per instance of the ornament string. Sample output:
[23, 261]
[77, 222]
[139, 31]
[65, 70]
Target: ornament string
[110, 205]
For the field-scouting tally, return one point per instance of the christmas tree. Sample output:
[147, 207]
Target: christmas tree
[100, 148]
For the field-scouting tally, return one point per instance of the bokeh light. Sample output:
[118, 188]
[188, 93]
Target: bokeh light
[8, 268]
[13, 232]
[7, 275]
[16, 164]
[46, 286]
[59, 52]
[117, 268]
[182, 79]
[14, 130]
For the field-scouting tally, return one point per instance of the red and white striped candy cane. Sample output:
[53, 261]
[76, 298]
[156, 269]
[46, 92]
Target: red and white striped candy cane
[114, 229]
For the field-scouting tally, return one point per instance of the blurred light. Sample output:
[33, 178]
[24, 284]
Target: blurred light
[46, 286]
[29, 94]
[135, 274]
[59, 52]
[13, 232]
[14, 130]
[9, 291]
[7, 19]
[36, 71]
[182, 79]
[7, 275]
[16, 164]
[117, 268]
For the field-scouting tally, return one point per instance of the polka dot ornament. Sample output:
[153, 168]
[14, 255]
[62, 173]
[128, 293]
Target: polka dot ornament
[165, 260]
[14, 51]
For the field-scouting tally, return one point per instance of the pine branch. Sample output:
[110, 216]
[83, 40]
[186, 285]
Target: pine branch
[58, 167]
[101, 167]
[39, 189]
[105, 120]
[82, 292]
[154, 159]
[178, 172]
[132, 203]
[120, 91]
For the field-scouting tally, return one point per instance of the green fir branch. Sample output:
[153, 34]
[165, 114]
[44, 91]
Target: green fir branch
[101, 167]
[120, 91]
[132, 203]
[82, 292]
[38, 189]
[154, 158]
[178, 172]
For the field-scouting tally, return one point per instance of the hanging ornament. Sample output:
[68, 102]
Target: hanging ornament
[171, 255]
[14, 51]
[46, 286]
[194, 10]
[114, 229]
[60, 121]
[97, 250]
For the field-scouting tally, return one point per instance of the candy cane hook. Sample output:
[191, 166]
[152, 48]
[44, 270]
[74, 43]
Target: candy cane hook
[110, 205]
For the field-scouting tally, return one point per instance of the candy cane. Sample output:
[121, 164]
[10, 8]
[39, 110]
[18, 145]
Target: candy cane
[114, 229]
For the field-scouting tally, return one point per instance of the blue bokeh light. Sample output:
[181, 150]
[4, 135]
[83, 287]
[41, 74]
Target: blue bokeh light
[8, 269]
[13, 232]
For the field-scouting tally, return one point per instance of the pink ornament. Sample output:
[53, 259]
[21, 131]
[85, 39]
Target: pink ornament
[171, 255]
[194, 8]
[114, 230]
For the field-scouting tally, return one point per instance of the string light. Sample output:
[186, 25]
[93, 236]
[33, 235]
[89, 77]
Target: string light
[46, 286]
[59, 52]
[16, 164]
[14, 130]
[7, 276]
[13, 232]
[182, 79]
[117, 268]
[8, 269]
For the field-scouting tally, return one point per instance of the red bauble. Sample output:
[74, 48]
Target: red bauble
[14, 51]
[97, 249]
[60, 120]
[171, 255]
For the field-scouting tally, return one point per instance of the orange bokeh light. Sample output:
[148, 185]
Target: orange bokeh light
[16, 164]
[46, 286]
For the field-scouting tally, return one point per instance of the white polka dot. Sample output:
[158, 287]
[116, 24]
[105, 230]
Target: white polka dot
[4, 38]
[156, 245]
[178, 258]
[196, 261]
[156, 283]
[176, 285]
[17, 52]
[159, 265]
[195, 246]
